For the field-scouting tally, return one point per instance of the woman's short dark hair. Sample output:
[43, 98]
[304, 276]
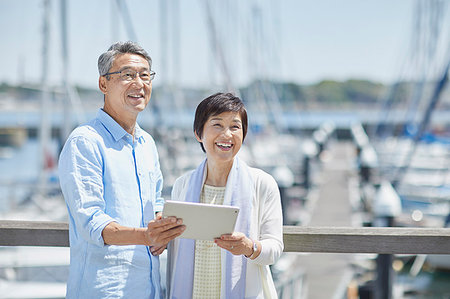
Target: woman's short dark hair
[216, 104]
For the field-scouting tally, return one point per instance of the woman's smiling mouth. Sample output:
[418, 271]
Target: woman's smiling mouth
[224, 146]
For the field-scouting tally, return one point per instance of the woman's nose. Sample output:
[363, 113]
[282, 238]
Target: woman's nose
[227, 132]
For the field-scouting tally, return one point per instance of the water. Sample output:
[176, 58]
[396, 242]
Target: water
[20, 171]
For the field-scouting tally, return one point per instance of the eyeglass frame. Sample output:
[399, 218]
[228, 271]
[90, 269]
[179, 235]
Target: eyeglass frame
[136, 74]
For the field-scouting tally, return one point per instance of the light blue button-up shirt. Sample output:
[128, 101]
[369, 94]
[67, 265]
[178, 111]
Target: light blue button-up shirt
[105, 176]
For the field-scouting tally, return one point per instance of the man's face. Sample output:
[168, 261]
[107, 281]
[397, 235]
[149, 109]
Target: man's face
[124, 99]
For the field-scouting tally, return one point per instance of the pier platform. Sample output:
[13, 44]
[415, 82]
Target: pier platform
[327, 275]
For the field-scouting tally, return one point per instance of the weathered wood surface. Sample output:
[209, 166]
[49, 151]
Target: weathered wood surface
[387, 240]
[34, 233]
[296, 238]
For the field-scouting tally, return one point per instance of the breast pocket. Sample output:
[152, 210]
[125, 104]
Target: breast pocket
[149, 195]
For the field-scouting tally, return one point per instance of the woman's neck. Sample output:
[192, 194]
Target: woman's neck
[217, 173]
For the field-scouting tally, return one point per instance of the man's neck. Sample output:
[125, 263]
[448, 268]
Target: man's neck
[127, 123]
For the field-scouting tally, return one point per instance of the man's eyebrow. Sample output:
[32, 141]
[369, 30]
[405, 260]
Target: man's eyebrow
[132, 68]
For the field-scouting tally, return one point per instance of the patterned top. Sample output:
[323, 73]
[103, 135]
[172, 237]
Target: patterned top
[207, 266]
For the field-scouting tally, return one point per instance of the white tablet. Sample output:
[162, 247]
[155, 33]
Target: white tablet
[203, 221]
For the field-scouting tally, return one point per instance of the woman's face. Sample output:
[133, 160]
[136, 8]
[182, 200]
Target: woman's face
[222, 136]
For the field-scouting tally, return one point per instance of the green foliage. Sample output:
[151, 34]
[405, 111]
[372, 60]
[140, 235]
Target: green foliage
[261, 94]
[363, 91]
[329, 92]
[346, 93]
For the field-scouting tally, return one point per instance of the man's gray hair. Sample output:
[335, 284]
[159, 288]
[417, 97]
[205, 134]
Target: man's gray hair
[106, 60]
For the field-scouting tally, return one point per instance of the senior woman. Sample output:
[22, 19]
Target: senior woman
[235, 265]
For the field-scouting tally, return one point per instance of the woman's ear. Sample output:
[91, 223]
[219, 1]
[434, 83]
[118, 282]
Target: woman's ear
[197, 137]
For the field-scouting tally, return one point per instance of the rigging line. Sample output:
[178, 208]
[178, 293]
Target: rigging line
[431, 34]
[421, 53]
[270, 95]
[218, 49]
[163, 18]
[123, 9]
[423, 125]
[382, 128]
[420, 61]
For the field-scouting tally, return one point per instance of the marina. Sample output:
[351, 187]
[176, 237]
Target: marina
[363, 166]
[332, 200]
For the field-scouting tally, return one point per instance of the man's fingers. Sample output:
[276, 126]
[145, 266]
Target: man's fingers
[164, 224]
[170, 234]
[160, 232]
[155, 250]
[158, 238]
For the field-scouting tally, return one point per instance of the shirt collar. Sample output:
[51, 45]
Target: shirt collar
[138, 134]
[111, 125]
[116, 130]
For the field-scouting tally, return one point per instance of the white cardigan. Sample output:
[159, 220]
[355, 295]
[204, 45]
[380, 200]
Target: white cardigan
[266, 226]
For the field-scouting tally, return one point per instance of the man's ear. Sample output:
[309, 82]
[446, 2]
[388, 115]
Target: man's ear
[102, 84]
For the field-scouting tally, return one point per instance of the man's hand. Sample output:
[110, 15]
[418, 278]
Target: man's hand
[156, 235]
[161, 231]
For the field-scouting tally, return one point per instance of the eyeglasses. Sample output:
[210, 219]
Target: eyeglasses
[129, 75]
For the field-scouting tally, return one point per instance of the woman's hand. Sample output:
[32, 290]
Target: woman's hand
[236, 243]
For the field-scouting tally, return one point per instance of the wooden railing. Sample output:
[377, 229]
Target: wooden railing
[386, 240]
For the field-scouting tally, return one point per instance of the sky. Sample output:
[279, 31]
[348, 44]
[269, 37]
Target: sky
[209, 43]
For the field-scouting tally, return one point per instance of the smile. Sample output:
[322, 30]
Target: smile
[224, 146]
[135, 96]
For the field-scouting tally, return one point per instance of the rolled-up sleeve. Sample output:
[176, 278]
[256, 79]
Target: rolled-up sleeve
[80, 172]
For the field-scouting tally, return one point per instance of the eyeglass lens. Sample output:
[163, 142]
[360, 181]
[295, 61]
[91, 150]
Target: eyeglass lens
[130, 75]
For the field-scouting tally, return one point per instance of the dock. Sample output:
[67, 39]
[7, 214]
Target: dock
[327, 274]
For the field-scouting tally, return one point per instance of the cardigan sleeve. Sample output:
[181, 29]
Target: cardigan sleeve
[270, 220]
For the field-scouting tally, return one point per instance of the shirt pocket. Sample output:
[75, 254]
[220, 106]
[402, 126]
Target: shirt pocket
[149, 196]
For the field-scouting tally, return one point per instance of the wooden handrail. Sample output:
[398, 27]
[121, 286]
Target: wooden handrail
[384, 240]
[34, 233]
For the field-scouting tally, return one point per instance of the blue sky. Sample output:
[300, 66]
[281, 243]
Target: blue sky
[285, 40]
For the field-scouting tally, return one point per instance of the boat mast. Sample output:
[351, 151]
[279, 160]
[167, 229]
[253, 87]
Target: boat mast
[67, 119]
[45, 127]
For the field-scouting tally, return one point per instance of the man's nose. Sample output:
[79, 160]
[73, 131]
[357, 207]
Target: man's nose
[138, 81]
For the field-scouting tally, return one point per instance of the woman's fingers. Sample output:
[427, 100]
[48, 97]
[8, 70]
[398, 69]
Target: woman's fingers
[236, 243]
[236, 236]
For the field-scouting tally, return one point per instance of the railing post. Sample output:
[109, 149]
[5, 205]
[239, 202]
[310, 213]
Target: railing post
[310, 150]
[285, 179]
[385, 273]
